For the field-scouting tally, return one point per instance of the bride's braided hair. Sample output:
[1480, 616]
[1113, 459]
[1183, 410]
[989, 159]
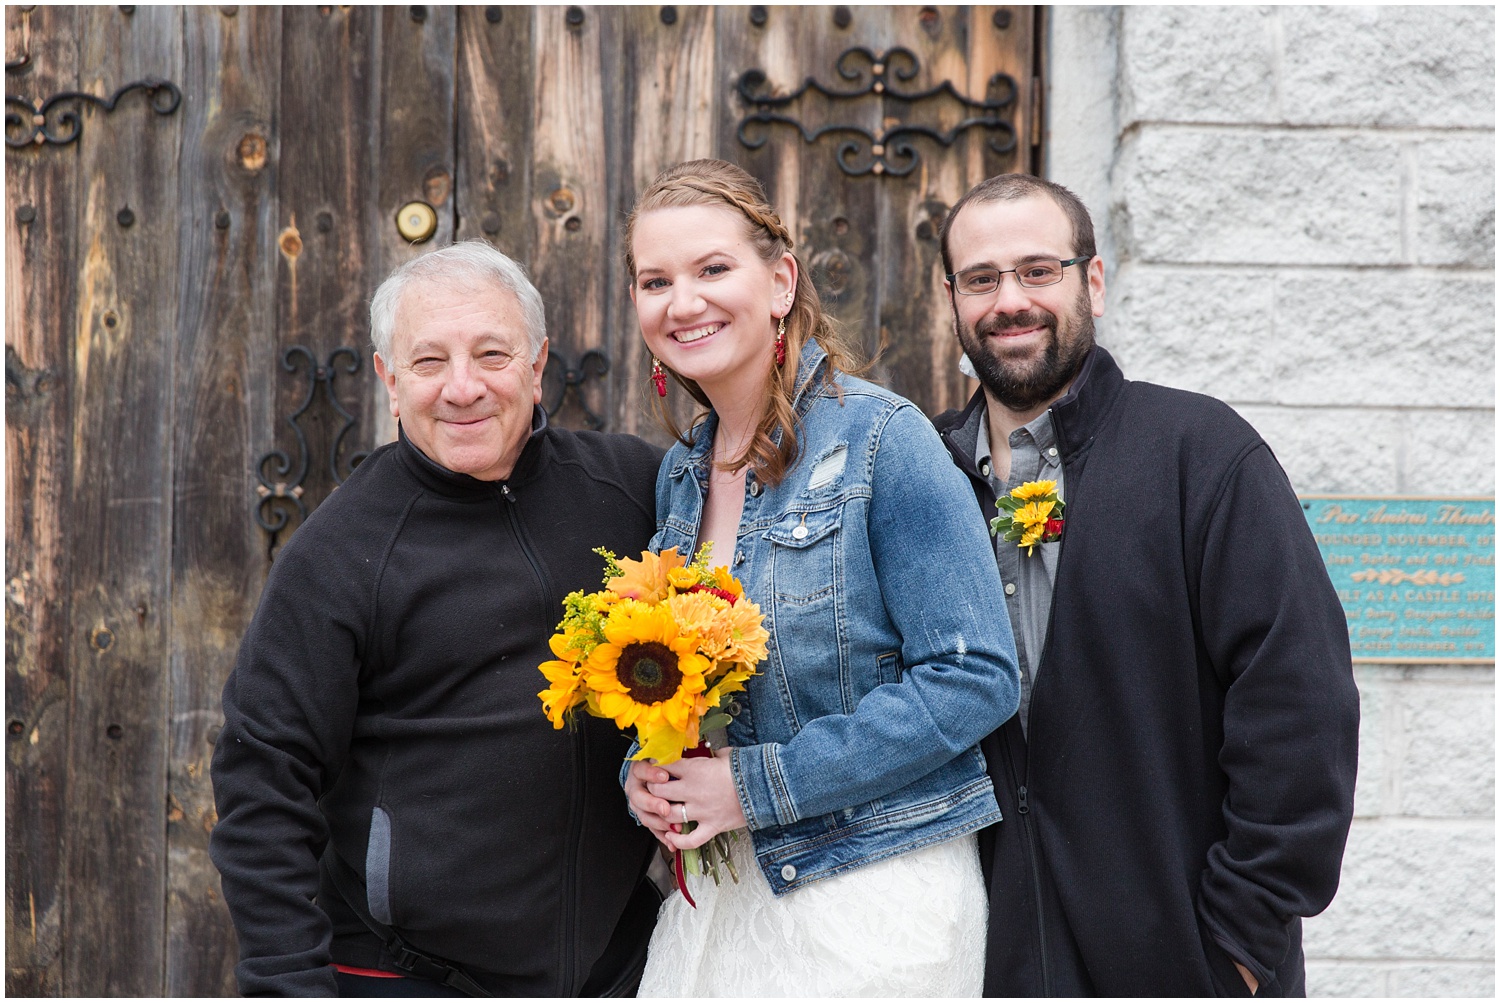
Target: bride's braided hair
[715, 182]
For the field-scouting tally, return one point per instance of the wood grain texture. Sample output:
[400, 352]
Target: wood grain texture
[120, 512]
[667, 114]
[225, 335]
[414, 163]
[327, 216]
[143, 362]
[920, 351]
[571, 211]
[493, 116]
[40, 303]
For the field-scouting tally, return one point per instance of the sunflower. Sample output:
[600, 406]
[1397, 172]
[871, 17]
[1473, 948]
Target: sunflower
[649, 675]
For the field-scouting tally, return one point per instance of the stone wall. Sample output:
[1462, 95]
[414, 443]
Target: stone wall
[1297, 211]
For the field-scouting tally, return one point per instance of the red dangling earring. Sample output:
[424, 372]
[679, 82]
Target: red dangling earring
[781, 341]
[658, 377]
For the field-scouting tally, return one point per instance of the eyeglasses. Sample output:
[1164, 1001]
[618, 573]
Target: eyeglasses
[1032, 275]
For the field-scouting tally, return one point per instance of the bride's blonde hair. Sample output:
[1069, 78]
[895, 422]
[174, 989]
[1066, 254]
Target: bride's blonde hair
[717, 183]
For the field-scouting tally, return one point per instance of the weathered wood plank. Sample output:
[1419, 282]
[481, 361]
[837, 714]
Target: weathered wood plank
[829, 213]
[668, 114]
[571, 212]
[493, 121]
[327, 186]
[414, 163]
[920, 351]
[41, 241]
[120, 510]
[225, 335]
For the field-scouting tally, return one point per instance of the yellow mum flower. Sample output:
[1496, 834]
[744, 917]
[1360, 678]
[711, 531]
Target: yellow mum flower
[1033, 490]
[682, 578]
[1035, 513]
[701, 614]
[747, 636]
[648, 675]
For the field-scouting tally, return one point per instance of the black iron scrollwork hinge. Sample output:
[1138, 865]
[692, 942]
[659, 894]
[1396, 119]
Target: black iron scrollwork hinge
[280, 493]
[58, 119]
[892, 150]
[593, 364]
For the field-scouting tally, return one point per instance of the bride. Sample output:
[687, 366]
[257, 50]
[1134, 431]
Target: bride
[851, 780]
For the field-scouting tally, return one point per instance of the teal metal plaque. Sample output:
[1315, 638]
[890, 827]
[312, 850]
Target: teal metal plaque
[1416, 575]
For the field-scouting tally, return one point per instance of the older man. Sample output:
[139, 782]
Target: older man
[1178, 784]
[392, 801]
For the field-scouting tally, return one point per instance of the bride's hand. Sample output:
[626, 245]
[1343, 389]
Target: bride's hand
[705, 787]
[653, 812]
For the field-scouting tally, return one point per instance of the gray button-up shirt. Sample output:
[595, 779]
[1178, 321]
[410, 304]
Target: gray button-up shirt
[1028, 578]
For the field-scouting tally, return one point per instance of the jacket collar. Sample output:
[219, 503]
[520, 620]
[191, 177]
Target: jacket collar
[438, 478]
[1076, 416]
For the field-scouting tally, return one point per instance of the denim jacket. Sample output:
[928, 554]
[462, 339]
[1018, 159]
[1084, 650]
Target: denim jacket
[891, 653]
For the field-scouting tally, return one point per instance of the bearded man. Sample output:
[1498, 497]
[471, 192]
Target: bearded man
[1178, 784]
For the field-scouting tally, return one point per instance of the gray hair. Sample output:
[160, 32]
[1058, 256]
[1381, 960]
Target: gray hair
[472, 259]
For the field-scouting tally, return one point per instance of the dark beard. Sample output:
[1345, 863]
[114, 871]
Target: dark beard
[1023, 389]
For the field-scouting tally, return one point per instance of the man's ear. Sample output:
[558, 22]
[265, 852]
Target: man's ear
[389, 379]
[1096, 285]
[537, 366]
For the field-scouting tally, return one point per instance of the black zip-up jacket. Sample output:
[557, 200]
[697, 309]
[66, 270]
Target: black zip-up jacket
[384, 709]
[1186, 785]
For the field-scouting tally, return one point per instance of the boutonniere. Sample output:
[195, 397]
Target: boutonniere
[1029, 515]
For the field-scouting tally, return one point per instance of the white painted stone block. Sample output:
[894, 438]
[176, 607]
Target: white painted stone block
[1332, 450]
[1194, 329]
[1455, 198]
[1331, 978]
[1389, 66]
[1449, 452]
[1374, 727]
[1197, 64]
[1381, 338]
[1080, 108]
[1414, 889]
[1321, 338]
[1448, 759]
[1258, 196]
[1444, 980]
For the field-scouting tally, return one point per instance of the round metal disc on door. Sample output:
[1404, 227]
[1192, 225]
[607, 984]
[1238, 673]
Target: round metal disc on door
[417, 221]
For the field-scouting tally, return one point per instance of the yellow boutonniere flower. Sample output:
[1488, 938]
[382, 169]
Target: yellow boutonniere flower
[1032, 513]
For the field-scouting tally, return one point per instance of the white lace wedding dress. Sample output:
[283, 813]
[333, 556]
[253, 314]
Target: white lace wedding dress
[909, 925]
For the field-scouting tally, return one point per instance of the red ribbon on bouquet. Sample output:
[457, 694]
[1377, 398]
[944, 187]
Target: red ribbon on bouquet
[698, 751]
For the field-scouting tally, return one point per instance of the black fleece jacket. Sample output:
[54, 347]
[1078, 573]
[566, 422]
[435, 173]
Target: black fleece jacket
[384, 709]
[1186, 787]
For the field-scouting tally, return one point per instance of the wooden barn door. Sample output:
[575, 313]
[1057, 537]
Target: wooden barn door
[190, 251]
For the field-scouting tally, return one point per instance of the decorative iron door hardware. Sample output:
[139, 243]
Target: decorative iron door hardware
[592, 365]
[881, 74]
[280, 493]
[27, 123]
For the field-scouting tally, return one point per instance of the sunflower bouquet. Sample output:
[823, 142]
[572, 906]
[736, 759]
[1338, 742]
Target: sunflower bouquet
[658, 650]
[1032, 513]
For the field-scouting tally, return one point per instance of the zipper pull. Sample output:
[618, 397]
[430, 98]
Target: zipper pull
[505, 490]
[1022, 808]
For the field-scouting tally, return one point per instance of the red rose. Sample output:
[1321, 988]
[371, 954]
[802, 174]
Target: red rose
[1054, 527]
